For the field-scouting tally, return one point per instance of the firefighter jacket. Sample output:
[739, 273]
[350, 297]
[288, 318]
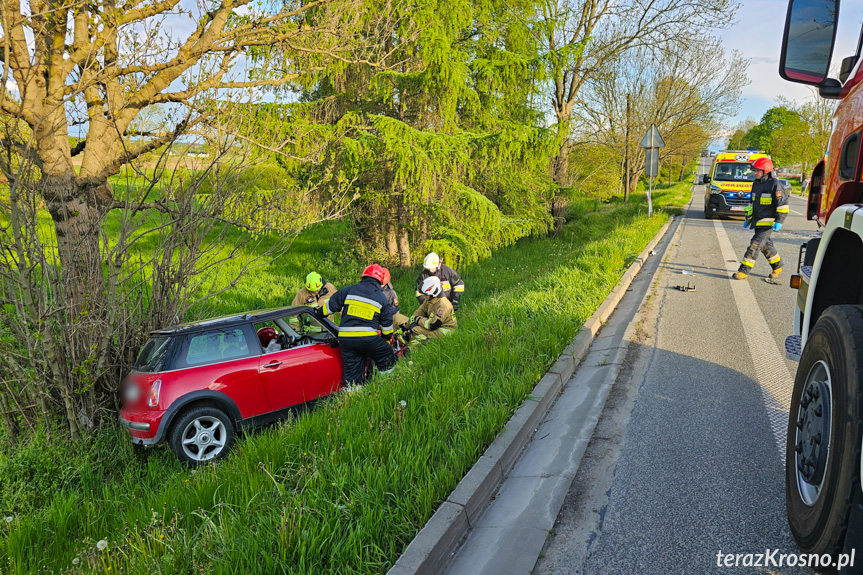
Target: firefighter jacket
[433, 310]
[769, 202]
[305, 297]
[452, 284]
[364, 308]
[392, 298]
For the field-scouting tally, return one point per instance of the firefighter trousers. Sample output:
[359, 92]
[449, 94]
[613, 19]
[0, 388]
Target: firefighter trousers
[760, 242]
[356, 349]
[421, 334]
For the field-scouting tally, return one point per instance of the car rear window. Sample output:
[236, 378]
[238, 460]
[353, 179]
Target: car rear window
[216, 345]
[153, 354]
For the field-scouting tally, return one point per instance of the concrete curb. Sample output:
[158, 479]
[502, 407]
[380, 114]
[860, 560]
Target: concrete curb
[440, 536]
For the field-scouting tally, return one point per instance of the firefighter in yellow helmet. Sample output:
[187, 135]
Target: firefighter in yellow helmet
[315, 292]
[435, 317]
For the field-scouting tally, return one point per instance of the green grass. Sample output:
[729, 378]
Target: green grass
[345, 487]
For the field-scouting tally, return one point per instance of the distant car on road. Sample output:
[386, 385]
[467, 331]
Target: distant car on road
[195, 385]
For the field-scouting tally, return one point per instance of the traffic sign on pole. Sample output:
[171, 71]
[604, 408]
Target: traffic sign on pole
[651, 143]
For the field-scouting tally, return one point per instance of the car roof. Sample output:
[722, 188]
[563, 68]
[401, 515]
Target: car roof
[229, 320]
[731, 156]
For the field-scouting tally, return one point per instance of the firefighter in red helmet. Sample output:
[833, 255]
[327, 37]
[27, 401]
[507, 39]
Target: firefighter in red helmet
[366, 326]
[766, 214]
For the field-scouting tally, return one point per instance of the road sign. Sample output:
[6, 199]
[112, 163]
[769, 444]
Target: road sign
[651, 162]
[653, 139]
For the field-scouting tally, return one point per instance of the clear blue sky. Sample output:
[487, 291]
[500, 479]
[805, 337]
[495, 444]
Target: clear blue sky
[757, 33]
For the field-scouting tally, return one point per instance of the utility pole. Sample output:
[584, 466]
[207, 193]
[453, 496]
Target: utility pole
[626, 156]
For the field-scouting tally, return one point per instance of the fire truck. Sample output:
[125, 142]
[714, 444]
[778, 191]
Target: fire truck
[824, 499]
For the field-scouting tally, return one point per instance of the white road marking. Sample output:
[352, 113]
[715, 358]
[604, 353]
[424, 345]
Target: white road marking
[772, 374]
[794, 212]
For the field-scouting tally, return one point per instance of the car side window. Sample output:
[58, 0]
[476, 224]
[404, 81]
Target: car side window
[216, 345]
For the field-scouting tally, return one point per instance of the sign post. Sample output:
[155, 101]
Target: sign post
[651, 143]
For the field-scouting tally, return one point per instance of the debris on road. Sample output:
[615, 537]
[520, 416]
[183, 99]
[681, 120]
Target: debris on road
[685, 288]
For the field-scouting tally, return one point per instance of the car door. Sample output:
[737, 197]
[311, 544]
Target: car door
[294, 376]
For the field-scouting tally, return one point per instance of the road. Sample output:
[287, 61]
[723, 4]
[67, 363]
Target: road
[687, 460]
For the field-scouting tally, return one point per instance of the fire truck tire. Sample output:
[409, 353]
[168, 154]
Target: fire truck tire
[822, 453]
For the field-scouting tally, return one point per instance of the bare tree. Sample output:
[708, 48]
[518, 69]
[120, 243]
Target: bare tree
[582, 37]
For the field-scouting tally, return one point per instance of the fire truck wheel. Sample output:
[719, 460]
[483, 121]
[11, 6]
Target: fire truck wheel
[822, 453]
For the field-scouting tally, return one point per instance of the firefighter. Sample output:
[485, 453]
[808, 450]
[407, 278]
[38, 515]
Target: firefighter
[399, 319]
[768, 210]
[435, 317]
[315, 291]
[365, 310]
[451, 284]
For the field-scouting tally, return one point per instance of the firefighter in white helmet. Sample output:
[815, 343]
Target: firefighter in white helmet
[451, 284]
[435, 317]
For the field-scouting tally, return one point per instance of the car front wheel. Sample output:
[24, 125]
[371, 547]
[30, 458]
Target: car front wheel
[201, 434]
[822, 454]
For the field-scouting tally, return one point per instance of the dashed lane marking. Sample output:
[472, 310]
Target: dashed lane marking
[772, 374]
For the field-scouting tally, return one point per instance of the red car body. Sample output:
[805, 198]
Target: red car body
[221, 364]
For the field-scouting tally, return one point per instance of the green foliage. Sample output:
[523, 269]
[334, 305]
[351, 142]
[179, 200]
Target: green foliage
[345, 487]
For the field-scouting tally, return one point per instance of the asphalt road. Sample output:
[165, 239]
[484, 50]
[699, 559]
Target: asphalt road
[685, 463]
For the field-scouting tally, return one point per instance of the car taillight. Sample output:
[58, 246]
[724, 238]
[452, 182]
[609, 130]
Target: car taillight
[155, 390]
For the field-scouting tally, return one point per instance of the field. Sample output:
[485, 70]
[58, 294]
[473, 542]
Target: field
[345, 487]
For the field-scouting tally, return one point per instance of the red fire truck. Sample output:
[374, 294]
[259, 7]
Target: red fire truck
[823, 461]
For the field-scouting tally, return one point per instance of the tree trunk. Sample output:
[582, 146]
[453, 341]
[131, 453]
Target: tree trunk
[627, 162]
[391, 239]
[561, 177]
[403, 236]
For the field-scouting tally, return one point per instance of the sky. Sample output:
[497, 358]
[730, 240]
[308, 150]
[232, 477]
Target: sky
[757, 34]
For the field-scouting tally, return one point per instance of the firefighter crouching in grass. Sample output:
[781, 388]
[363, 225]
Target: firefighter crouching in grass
[434, 318]
[399, 319]
[767, 213]
[365, 310]
[451, 284]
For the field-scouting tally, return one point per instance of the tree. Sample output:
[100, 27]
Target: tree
[580, 38]
[447, 144]
[69, 294]
[686, 94]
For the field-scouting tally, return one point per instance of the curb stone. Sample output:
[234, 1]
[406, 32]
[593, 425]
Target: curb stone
[440, 536]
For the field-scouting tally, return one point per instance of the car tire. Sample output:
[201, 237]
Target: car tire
[201, 434]
[707, 215]
[822, 453]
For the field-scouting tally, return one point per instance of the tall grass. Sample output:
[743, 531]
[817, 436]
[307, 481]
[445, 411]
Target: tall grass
[345, 487]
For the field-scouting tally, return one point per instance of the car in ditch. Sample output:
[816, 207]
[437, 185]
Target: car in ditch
[196, 385]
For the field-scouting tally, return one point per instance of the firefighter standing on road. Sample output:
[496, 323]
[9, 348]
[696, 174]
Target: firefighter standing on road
[435, 317]
[365, 310]
[451, 284]
[768, 210]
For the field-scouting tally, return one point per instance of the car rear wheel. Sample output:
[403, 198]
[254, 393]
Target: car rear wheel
[822, 453]
[201, 434]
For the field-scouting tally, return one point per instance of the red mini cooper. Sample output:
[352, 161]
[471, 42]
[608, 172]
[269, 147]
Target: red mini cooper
[195, 385]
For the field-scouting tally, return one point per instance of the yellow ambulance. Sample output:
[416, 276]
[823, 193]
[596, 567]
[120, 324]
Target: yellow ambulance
[728, 184]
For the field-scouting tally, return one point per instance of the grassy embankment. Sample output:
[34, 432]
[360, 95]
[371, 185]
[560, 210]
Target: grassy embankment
[344, 488]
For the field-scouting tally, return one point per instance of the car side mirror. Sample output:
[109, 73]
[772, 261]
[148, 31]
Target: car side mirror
[705, 179]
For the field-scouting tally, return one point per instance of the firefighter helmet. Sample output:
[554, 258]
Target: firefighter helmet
[387, 279]
[432, 262]
[431, 286]
[314, 281]
[374, 271]
[763, 164]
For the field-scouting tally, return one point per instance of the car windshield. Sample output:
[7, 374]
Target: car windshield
[734, 172]
[152, 354]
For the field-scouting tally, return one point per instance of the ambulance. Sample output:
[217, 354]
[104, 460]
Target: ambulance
[728, 184]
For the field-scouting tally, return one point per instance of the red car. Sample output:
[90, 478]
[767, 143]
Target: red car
[195, 385]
